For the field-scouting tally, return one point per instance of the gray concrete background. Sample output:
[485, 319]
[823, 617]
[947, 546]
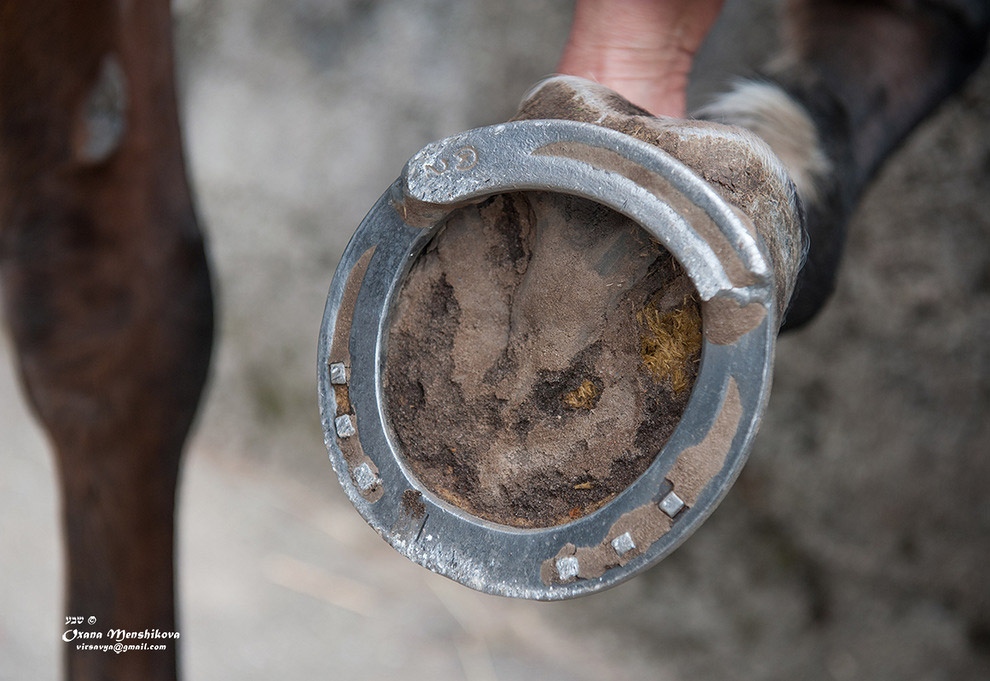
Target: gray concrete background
[854, 546]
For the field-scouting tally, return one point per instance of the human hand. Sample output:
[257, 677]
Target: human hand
[642, 49]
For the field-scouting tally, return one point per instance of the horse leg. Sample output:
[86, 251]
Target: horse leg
[107, 294]
[852, 82]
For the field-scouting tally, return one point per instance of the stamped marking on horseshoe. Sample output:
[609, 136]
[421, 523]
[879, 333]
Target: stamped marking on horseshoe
[439, 166]
[467, 158]
[464, 159]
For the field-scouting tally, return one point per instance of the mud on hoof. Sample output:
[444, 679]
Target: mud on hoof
[541, 354]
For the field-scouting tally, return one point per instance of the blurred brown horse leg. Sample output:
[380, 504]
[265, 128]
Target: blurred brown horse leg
[854, 79]
[107, 294]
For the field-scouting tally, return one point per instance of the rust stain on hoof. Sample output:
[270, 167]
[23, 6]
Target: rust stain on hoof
[726, 322]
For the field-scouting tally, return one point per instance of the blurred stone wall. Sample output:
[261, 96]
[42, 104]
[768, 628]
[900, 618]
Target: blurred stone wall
[298, 114]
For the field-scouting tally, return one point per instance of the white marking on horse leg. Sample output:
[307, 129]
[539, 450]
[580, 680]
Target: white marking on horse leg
[768, 111]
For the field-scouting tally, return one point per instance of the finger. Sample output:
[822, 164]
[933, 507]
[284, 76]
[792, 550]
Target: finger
[642, 49]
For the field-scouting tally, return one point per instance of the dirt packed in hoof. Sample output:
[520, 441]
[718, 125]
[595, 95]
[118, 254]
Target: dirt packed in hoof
[541, 353]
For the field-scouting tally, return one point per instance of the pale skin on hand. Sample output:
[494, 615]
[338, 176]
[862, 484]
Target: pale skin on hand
[642, 49]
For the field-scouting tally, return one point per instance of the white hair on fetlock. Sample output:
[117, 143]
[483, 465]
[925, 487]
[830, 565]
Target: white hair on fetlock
[594, 95]
[776, 117]
[539, 85]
